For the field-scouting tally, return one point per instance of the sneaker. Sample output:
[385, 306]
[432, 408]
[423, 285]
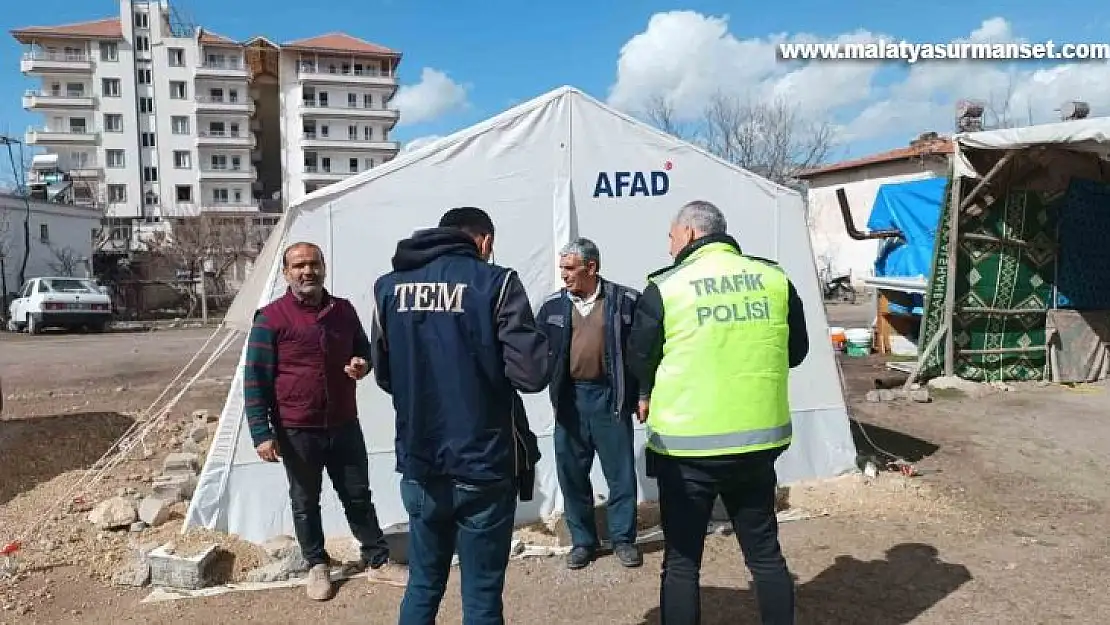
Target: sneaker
[629, 555]
[579, 558]
[390, 574]
[318, 586]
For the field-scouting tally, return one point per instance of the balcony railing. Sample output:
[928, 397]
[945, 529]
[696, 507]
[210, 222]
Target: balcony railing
[41, 61]
[230, 65]
[358, 142]
[80, 99]
[225, 103]
[59, 57]
[82, 135]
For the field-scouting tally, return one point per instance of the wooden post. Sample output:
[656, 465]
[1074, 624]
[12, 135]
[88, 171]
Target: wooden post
[950, 284]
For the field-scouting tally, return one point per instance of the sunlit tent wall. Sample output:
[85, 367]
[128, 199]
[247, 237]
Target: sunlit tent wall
[1020, 283]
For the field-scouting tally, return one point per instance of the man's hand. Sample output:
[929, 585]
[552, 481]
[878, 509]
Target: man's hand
[642, 410]
[269, 451]
[357, 368]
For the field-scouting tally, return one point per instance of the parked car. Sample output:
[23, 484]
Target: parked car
[70, 303]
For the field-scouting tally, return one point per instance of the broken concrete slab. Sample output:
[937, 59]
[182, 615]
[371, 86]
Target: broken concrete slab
[154, 511]
[114, 513]
[174, 488]
[181, 463]
[198, 433]
[134, 572]
[171, 570]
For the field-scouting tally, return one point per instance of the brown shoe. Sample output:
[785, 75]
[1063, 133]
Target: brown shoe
[390, 574]
[318, 586]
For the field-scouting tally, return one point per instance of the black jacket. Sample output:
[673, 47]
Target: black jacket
[453, 342]
[645, 345]
[554, 320]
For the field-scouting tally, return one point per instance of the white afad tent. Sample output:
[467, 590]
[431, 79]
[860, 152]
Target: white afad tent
[560, 166]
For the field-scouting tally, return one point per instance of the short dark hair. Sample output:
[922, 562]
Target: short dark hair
[285, 254]
[473, 221]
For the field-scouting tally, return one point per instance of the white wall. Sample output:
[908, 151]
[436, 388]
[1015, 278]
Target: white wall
[831, 244]
[69, 228]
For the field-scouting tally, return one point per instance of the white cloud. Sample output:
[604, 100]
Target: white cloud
[435, 95]
[686, 57]
[419, 142]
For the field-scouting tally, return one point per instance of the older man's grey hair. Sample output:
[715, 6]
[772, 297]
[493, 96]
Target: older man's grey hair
[583, 248]
[703, 217]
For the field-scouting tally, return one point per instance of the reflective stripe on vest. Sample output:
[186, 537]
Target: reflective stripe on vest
[722, 385]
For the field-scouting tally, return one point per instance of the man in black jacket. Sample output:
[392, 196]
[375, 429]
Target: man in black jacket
[594, 396]
[454, 342]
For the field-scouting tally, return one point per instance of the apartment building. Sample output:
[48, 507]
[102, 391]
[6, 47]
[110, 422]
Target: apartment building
[157, 119]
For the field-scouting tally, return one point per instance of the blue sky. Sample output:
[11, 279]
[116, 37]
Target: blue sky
[492, 54]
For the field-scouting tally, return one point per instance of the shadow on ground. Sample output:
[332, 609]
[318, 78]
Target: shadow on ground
[879, 441]
[893, 591]
[38, 449]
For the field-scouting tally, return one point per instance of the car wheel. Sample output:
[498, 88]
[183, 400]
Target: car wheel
[32, 325]
[13, 326]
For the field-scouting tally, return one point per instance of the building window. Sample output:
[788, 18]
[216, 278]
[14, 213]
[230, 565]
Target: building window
[77, 125]
[177, 90]
[109, 51]
[148, 139]
[367, 133]
[144, 76]
[216, 95]
[117, 193]
[113, 122]
[352, 100]
[109, 87]
[352, 133]
[182, 159]
[142, 43]
[150, 174]
[115, 158]
[177, 57]
[146, 105]
[44, 233]
[236, 163]
[367, 101]
[150, 199]
[352, 164]
[369, 163]
[184, 194]
[179, 124]
[219, 162]
[142, 20]
[219, 196]
[233, 95]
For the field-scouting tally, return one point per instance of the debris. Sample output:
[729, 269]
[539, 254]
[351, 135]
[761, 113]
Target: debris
[198, 433]
[154, 511]
[113, 513]
[173, 570]
[920, 395]
[174, 488]
[204, 416]
[286, 561]
[138, 526]
[960, 385]
[180, 463]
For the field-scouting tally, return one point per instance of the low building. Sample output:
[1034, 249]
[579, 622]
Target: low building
[62, 238]
[835, 252]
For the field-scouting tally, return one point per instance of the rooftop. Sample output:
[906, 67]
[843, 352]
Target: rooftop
[108, 28]
[928, 144]
[339, 43]
[213, 39]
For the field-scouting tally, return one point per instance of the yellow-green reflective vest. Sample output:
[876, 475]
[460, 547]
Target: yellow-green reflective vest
[722, 385]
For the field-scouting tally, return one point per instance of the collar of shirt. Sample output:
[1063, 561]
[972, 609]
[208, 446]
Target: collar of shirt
[585, 304]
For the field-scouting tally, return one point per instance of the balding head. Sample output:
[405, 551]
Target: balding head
[695, 220]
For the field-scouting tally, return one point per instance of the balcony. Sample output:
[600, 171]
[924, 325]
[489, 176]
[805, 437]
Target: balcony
[224, 138]
[245, 174]
[72, 136]
[313, 173]
[230, 207]
[208, 104]
[309, 72]
[311, 140]
[225, 70]
[55, 63]
[312, 108]
[38, 100]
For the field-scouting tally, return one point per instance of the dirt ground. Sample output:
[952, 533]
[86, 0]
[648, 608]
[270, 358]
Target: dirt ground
[1005, 524]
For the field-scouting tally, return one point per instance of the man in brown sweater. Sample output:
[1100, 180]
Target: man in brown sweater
[595, 397]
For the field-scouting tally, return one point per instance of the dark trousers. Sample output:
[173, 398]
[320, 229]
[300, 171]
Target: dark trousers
[476, 520]
[688, 488]
[582, 429]
[341, 451]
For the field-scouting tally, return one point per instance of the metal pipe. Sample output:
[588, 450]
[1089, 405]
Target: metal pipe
[850, 226]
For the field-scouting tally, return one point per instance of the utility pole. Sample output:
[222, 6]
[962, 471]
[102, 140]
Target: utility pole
[18, 176]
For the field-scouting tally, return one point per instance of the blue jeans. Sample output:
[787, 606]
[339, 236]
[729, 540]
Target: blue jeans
[476, 520]
[582, 429]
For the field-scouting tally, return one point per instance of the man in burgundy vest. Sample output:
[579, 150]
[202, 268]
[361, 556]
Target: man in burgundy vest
[305, 352]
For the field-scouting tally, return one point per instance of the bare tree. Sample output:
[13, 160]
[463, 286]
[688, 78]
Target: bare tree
[6, 247]
[773, 139]
[999, 107]
[65, 261]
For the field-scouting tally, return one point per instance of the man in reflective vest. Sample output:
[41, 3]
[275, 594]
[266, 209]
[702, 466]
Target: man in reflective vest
[712, 344]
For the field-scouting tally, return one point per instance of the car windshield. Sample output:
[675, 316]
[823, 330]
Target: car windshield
[69, 285]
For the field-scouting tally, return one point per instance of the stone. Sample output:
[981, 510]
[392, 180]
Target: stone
[135, 572]
[872, 397]
[138, 526]
[181, 463]
[272, 572]
[284, 551]
[113, 513]
[174, 488]
[193, 572]
[960, 385]
[154, 511]
[921, 396]
[204, 416]
[192, 447]
[198, 433]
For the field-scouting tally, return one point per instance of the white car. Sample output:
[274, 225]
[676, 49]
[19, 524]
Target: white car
[70, 303]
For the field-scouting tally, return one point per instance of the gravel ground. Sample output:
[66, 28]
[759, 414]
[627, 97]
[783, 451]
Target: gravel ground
[1005, 524]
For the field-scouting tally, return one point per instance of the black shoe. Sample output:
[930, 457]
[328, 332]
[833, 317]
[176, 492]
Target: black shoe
[579, 557]
[628, 554]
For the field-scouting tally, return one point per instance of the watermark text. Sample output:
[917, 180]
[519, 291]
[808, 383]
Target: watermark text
[907, 52]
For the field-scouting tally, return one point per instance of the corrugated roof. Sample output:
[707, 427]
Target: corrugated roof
[939, 147]
[341, 43]
[107, 28]
[210, 38]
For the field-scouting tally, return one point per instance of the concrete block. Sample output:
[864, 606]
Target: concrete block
[154, 511]
[113, 513]
[198, 433]
[181, 463]
[174, 488]
[170, 570]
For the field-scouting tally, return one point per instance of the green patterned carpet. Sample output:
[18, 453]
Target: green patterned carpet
[998, 276]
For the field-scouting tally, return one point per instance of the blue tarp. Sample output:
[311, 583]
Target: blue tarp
[914, 209]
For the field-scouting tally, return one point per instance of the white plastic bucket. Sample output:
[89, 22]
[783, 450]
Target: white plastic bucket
[858, 341]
